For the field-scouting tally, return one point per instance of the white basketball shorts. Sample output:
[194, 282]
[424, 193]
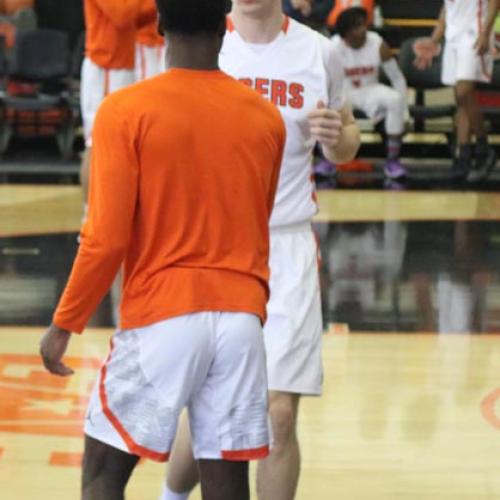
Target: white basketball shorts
[212, 363]
[293, 332]
[462, 63]
[149, 61]
[96, 84]
[381, 102]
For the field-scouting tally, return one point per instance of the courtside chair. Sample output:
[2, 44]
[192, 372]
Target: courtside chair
[41, 59]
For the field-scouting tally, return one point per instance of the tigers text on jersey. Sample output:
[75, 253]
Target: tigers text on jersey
[465, 19]
[295, 71]
[361, 66]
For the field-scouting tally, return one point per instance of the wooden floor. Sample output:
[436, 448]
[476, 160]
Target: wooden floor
[403, 417]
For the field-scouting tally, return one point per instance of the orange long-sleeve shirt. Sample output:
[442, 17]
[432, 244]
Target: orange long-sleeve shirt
[183, 177]
[148, 33]
[111, 29]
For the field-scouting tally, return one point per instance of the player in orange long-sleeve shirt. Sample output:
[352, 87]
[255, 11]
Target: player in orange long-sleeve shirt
[149, 51]
[111, 27]
[184, 173]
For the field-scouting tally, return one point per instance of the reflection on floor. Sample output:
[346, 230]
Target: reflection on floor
[386, 276]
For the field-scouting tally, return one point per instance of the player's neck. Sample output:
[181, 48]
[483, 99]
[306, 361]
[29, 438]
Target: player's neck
[192, 53]
[261, 28]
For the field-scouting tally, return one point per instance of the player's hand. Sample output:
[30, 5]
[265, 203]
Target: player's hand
[482, 45]
[425, 50]
[52, 348]
[325, 125]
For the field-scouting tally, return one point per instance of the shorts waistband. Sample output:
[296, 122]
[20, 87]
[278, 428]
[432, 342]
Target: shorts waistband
[298, 227]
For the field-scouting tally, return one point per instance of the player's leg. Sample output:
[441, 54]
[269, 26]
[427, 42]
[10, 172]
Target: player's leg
[394, 106]
[449, 76]
[92, 93]
[464, 92]
[106, 471]
[278, 474]
[228, 416]
[293, 335]
[472, 69]
[183, 474]
[222, 480]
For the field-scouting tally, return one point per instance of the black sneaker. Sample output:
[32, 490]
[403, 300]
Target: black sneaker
[483, 167]
[460, 168]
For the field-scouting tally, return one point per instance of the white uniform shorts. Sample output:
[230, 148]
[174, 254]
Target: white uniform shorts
[380, 102]
[212, 363]
[293, 332]
[96, 84]
[462, 63]
[149, 61]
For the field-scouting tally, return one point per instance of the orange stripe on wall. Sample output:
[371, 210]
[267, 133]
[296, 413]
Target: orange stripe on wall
[61, 459]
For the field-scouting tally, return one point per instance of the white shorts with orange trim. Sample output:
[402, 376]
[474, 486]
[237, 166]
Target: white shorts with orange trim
[462, 63]
[293, 331]
[211, 363]
[96, 84]
[149, 61]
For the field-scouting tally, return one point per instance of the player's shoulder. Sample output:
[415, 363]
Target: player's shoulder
[373, 37]
[296, 29]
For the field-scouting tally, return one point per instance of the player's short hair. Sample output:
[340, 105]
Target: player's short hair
[192, 17]
[349, 19]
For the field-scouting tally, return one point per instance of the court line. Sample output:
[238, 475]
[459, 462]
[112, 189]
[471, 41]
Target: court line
[488, 408]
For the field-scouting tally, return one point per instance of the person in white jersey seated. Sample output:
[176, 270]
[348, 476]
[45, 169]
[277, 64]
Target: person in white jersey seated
[362, 53]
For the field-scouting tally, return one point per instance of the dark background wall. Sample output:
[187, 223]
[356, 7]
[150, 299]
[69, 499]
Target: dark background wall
[64, 15]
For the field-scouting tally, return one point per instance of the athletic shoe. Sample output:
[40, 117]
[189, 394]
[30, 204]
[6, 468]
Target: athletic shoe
[394, 170]
[460, 168]
[325, 168]
[483, 167]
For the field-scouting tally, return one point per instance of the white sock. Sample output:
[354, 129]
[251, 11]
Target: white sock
[168, 494]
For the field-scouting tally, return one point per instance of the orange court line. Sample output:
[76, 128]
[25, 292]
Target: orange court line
[62, 459]
[488, 408]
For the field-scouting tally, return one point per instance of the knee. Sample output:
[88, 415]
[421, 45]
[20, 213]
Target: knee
[394, 102]
[284, 419]
[463, 95]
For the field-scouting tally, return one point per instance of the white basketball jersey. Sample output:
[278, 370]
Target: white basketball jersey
[295, 71]
[361, 66]
[465, 19]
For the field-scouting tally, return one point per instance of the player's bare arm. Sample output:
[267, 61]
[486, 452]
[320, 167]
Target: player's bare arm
[336, 131]
[52, 348]
[482, 44]
[428, 48]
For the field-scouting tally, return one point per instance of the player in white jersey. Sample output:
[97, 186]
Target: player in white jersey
[362, 53]
[297, 69]
[467, 26]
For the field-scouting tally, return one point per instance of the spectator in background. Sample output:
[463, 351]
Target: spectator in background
[109, 57]
[362, 53]
[341, 5]
[467, 27]
[149, 50]
[11, 7]
[310, 12]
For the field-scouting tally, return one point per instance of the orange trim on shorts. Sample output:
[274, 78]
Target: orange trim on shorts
[143, 61]
[106, 82]
[245, 455]
[134, 448]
